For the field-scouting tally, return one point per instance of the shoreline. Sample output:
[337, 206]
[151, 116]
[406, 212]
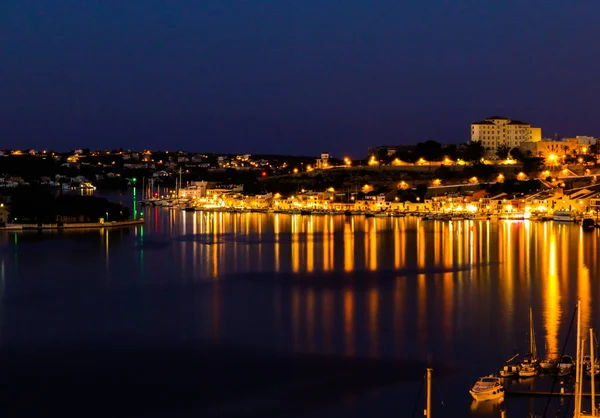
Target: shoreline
[65, 226]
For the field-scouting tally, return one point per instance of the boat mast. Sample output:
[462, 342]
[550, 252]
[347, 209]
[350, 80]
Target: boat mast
[428, 399]
[578, 364]
[593, 376]
[532, 347]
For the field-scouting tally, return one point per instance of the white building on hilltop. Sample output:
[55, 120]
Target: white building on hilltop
[496, 131]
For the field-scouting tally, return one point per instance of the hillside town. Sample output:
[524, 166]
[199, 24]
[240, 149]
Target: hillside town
[507, 169]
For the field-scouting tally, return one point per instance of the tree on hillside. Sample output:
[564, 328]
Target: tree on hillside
[502, 151]
[474, 151]
[517, 154]
[429, 150]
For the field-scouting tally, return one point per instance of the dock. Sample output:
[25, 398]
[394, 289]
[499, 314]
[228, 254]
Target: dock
[532, 393]
[72, 225]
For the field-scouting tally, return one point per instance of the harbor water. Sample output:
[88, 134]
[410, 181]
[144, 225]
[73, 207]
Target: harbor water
[251, 314]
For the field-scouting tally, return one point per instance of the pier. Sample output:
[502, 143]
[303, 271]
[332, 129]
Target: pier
[74, 225]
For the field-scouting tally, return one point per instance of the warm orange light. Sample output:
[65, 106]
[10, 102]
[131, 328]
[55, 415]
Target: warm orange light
[437, 182]
[521, 176]
[295, 171]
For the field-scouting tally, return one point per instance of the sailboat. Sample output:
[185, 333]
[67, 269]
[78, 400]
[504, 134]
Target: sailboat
[510, 369]
[579, 372]
[530, 365]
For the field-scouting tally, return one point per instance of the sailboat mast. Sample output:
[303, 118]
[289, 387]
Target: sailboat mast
[428, 399]
[593, 370]
[531, 337]
[578, 363]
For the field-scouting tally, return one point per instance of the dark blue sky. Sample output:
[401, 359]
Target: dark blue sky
[286, 76]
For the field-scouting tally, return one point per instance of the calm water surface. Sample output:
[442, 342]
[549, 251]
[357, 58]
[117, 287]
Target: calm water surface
[289, 315]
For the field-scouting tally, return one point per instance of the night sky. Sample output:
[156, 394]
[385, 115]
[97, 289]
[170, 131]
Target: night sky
[287, 76]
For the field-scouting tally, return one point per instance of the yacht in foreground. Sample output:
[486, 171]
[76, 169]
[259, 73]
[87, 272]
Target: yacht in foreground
[487, 388]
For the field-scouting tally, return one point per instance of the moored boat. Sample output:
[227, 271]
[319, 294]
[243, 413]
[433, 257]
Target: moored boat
[588, 224]
[487, 388]
[548, 364]
[529, 365]
[562, 216]
[510, 369]
[565, 366]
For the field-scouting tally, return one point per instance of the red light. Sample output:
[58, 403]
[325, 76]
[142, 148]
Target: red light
[264, 174]
[155, 194]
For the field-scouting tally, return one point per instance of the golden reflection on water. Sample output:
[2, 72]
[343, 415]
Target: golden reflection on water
[515, 264]
[373, 322]
[583, 286]
[310, 320]
[349, 246]
[310, 250]
[328, 312]
[349, 322]
[552, 310]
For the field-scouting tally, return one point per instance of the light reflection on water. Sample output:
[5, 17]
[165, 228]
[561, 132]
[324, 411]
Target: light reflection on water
[458, 292]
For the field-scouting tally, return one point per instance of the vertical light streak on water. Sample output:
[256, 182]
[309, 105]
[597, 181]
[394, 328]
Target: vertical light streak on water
[421, 248]
[460, 235]
[366, 243]
[527, 238]
[348, 247]
[552, 310]
[328, 312]
[565, 275]
[373, 328]
[215, 259]
[106, 248]
[373, 246]
[259, 246]
[399, 255]
[470, 242]
[437, 242]
[506, 275]
[422, 311]
[583, 285]
[349, 322]
[448, 308]
[331, 241]
[276, 249]
[325, 245]
[295, 245]
[487, 240]
[399, 293]
[142, 265]
[310, 320]
[310, 246]
[447, 246]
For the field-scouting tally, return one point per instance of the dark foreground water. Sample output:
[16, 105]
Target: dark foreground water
[266, 315]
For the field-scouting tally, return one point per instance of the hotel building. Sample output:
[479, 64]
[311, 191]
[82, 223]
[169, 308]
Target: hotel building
[496, 131]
